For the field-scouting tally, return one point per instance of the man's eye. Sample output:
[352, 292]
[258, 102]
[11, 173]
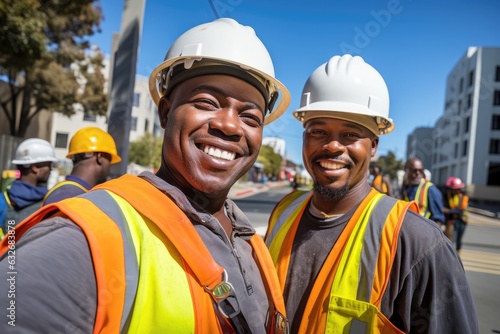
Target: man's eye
[251, 119]
[204, 103]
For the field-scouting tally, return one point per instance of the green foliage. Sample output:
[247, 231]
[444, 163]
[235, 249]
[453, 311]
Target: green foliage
[146, 152]
[270, 160]
[40, 44]
[390, 165]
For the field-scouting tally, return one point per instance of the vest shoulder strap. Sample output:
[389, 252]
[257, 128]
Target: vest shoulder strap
[147, 199]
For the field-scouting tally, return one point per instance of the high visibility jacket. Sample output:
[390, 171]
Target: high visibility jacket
[130, 227]
[348, 290]
[380, 183]
[422, 198]
[65, 183]
[458, 201]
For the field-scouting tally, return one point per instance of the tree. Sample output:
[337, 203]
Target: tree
[390, 165]
[43, 60]
[146, 152]
[270, 159]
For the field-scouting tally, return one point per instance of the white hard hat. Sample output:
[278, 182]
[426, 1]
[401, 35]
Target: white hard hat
[222, 46]
[34, 150]
[347, 88]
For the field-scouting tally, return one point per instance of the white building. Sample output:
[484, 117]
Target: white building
[467, 136]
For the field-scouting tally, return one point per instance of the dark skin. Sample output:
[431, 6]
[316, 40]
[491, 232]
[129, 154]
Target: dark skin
[414, 171]
[337, 154]
[94, 170]
[36, 174]
[213, 133]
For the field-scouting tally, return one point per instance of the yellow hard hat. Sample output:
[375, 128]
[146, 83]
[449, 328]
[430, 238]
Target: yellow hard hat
[93, 139]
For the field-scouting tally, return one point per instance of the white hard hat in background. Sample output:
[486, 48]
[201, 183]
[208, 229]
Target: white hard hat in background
[34, 150]
[222, 46]
[348, 88]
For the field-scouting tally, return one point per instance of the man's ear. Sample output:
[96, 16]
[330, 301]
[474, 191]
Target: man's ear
[374, 146]
[163, 109]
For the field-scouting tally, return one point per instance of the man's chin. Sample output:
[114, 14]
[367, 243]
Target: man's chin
[331, 194]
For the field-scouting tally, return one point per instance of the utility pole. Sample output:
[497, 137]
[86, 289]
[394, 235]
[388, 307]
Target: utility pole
[123, 80]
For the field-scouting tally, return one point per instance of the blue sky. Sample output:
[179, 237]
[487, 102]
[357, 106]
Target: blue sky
[413, 44]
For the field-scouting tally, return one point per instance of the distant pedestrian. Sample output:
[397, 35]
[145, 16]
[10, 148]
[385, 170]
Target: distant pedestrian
[380, 182]
[425, 193]
[34, 160]
[92, 151]
[455, 209]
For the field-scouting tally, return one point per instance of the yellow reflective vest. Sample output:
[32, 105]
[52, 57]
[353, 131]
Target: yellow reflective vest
[151, 276]
[348, 290]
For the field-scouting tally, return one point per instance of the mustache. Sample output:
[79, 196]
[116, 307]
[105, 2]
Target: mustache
[336, 157]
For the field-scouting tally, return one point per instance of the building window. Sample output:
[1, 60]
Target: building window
[457, 129]
[455, 152]
[469, 101]
[459, 106]
[495, 122]
[494, 146]
[89, 117]
[494, 174]
[61, 140]
[471, 78]
[497, 76]
[464, 148]
[496, 98]
[461, 87]
[467, 124]
[146, 125]
[137, 99]
[133, 125]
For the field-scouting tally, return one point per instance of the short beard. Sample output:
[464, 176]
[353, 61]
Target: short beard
[330, 194]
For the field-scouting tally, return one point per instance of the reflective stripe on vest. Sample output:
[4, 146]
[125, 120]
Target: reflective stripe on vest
[459, 201]
[63, 183]
[120, 237]
[422, 198]
[350, 282]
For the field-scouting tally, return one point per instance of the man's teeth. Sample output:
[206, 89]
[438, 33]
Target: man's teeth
[218, 153]
[331, 165]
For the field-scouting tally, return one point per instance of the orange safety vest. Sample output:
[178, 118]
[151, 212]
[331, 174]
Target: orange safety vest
[348, 290]
[459, 201]
[380, 183]
[116, 221]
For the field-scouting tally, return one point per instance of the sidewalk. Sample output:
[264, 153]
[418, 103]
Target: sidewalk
[245, 189]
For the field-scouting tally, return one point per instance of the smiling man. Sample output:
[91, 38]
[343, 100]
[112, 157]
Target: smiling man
[167, 253]
[349, 258]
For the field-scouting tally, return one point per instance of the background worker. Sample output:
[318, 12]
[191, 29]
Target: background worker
[379, 182]
[34, 159]
[350, 259]
[455, 209]
[428, 197]
[92, 152]
[166, 253]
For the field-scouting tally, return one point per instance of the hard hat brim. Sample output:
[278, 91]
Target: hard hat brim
[346, 111]
[283, 99]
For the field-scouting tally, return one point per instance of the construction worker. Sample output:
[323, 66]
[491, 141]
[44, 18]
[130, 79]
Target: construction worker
[428, 197]
[455, 209]
[167, 253]
[34, 160]
[92, 152]
[349, 258]
[379, 182]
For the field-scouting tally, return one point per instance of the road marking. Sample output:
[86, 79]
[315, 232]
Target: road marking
[482, 262]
